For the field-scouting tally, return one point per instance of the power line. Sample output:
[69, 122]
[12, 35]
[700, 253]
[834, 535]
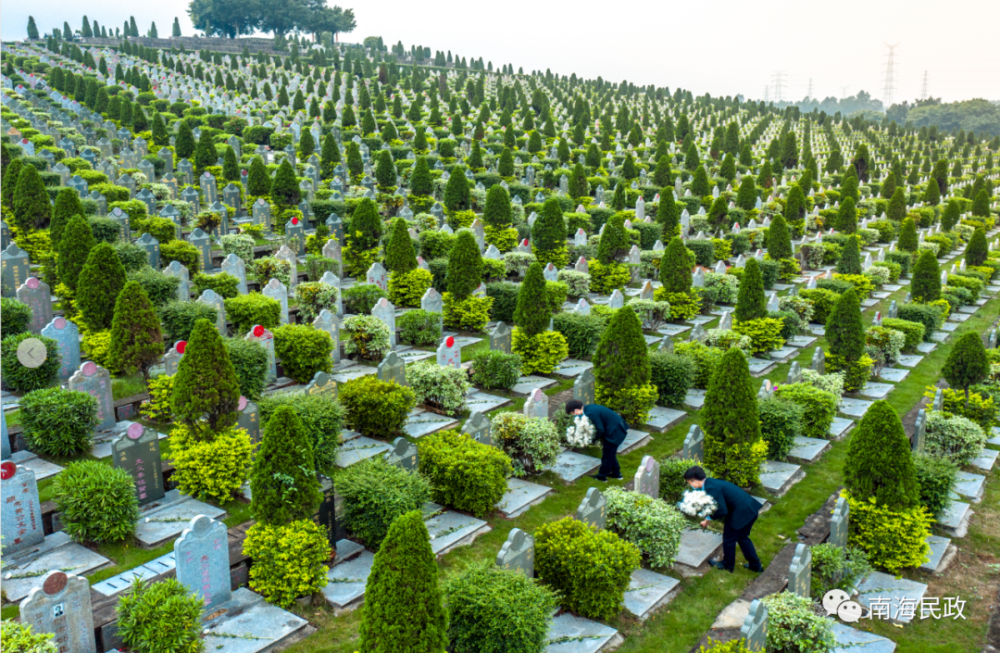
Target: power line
[778, 78]
[890, 82]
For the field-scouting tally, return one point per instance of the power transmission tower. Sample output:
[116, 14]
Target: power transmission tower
[767, 94]
[889, 86]
[843, 92]
[810, 88]
[923, 87]
[778, 78]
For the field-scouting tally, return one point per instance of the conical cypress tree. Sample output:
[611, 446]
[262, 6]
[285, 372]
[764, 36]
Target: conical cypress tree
[847, 217]
[204, 153]
[951, 215]
[700, 185]
[258, 181]
[845, 333]
[977, 250]
[663, 176]
[456, 192]
[74, 249]
[385, 170]
[31, 200]
[139, 121]
[746, 198]
[850, 257]
[206, 391]
[160, 135]
[879, 463]
[613, 245]
[67, 205]
[330, 156]
[307, 144]
[675, 267]
[136, 340]
[981, 205]
[751, 303]
[465, 266]
[667, 213]
[403, 609]
[728, 169]
[506, 165]
[926, 284]
[932, 193]
[730, 420]
[908, 239]
[967, 363]
[795, 205]
[897, 205]
[400, 257]
[779, 242]
[11, 174]
[366, 226]
[497, 213]
[98, 285]
[578, 184]
[230, 168]
[184, 144]
[32, 28]
[283, 481]
[621, 359]
[532, 311]
[548, 235]
[285, 187]
[421, 182]
[618, 199]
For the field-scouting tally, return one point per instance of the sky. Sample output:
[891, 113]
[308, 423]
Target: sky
[727, 47]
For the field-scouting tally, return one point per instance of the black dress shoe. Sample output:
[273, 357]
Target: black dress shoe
[617, 478]
[746, 565]
[719, 565]
[599, 478]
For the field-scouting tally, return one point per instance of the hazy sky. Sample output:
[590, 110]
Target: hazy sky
[723, 48]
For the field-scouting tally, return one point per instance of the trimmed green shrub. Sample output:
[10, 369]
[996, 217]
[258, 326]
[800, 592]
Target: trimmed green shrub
[159, 287]
[303, 351]
[672, 483]
[14, 317]
[97, 502]
[936, 477]
[244, 312]
[205, 387]
[672, 375]
[819, 407]
[163, 617]
[912, 331]
[582, 332]
[793, 625]
[321, 418]
[493, 369]
[955, 438]
[19, 378]
[929, 316]
[967, 363]
[734, 448]
[465, 266]
[780, 422]
[926, 284]
[19, 637]
[822, 300]
[360, 299]
[835, 567]
[845, 332]
[548, 235]
[375, 493]
[100, 281]
[376, 408]
[250, 362]
[438, 386]
[654, 526]
[283, 481]
[465, 474]
[531, 442]
[367, 336]
[289, 560]
[225, 285]
[893, 539]
[751, 304]
[184, 253]
[178, 318]
[419, 327]
[213, 468]
[621, 367]
[878, 463]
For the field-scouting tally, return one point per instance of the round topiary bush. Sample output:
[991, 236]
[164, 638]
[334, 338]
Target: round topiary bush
[303, 351]
[58, 422]
[214, 469]
[792, 625]
[376, 408]
[97, 502]
[465, 474]
[531, 442]
[163, 617]
[375, 493]
[19, 378]
[14, 317]
[288, 560]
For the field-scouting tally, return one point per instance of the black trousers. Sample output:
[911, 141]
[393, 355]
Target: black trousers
[733, 536]
[609, 460]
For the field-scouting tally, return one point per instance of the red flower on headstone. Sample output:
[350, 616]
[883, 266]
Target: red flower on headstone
[181, 346]
[258, 331]
[450, 342]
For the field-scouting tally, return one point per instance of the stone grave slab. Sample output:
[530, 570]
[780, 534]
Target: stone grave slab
[122, 581]
[572, 634]
[881, 295]
[167, 521]
[939, 336]
[759, 366]
[777, 478]
[840, 427]
[465, 341]
[995, 440]
[358, 449]
[800, 341]
[633, 440]
[961, 316]
[256, 627]
[484, 402]
[345, 589]
[868, 303]
[926, 347]
[673, 330]
[422, 422]
[783, 354]
[450, 530]
[25, 571]
[852, 640]
[875, 390]
[891, 287]
[41, 467]
[647, 591]
[572, 368]
[527, 384]
[652, 340]
[346, 550]
[699, 319]
[854, 407]
[808, 450]
[101, 447]
[520, 496]
[939, 549]
[697, 546]
[662, 418]
[948, 327]
[970, 486]
[695, 399]
[571, 465]
[886, 592]
[353, 372]
[986, 460]
[909, 360]
[414, 355]
[954, 520]
[893, 374]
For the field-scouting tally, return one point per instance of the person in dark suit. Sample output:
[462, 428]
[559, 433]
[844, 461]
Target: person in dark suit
[738, 510]
[611, 428]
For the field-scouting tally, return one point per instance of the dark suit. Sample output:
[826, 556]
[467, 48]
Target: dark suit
[611, 428]
[739, 511]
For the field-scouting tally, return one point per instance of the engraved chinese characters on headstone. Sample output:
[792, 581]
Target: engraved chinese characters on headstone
[262, 214]
[500, 338]
[376, 275]
[201, 241]
[479, 428]
[67, 337]
[518, 553]
[287, 255]
[537, 404]
[176, 269]
[392, 368]
[550, 272]
[16, 268]
[592, 510]
[276, 290]
[839, 523]
[209, 188]
[202, 554]
[449, 353]
[62, 606]
[800, 571]
[694, 444]
[137, 451]
[211, 298]
[647, 477]
[20, 511]
[754, 629]
[583, 387]
[403, 454]
[96, 382]
[152, 247]
[327, 322]
[261, 335]
[36, 295]
[386, 312]
[322, 384]
[295, 236]
[248, 419]
[234, 266]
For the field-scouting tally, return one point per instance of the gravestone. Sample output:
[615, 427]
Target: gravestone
[172, 359]
[248, 419]
[583, 387]
[262, 214]
[537, 404]
[617, 300]
[518, 553]
[124, 226]
[67, 337]
[322, 384]
[592, 509]
[800, 571]
[647, 478]
[449, 353]
[234, 266]
[694, 444]
[666, 345]
[137, 451]
[96, 382]
[209, 188]
[839, 523]
[62, 607]
[754, 629]
[582, 265]
[16, 268]
[295, 236]
[392, 368]
[376, 274]
[36, 295]
[276, 290]
[550, 272]
[175, 269]
[211, 298]
[202, 555]
[919, 432]
[819, 361]
[403, 454]
[432, 303]
[500, 338]
[479, 427]
[794, 373]
[20, 512]
[261, 335]
[327, 322]
[386, 312]
[4, 437]
[938, 403]
[203, 243]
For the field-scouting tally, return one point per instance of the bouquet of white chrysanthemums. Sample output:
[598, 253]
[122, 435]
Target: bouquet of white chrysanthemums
[581, 434]
[697, 503]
